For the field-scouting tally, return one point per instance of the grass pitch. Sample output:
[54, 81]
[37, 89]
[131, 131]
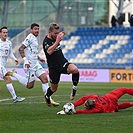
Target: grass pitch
[33, 115]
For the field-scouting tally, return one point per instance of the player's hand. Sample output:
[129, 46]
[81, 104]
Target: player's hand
[26, 63]
[41, 59]
[17, 62]
[60, 36]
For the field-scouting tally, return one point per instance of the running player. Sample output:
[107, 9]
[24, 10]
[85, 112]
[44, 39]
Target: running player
[5, 52]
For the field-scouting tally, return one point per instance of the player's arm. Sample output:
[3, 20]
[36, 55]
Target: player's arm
[41, 59]
[14, 58]
[52, 48]
[21, 51]
[81, 100]
[91, 111]
[12, 55]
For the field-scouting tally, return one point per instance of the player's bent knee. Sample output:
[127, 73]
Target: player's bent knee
[8, 80]
[54, 90]
[75, 71]
[29, 86]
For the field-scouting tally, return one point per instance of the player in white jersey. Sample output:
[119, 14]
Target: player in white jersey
[5, 52]
[29, 52]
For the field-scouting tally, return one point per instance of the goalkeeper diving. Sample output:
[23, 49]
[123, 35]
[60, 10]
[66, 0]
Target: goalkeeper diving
[94, 103]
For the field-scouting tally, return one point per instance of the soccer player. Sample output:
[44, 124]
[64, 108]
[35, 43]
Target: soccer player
[29, 52]
[57, 63]
[102, 104]
[5, 52]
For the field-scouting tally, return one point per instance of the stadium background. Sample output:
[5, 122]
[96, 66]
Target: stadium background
[90, 41]
[89, 32]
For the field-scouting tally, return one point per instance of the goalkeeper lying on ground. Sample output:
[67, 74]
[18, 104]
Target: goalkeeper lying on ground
[102, 104]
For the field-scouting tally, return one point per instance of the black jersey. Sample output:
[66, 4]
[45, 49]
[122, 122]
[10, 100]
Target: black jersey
[56, 59]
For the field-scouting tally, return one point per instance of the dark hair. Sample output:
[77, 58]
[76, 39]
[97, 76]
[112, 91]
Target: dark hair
[4, 27]
[53, 26]
[33, 25]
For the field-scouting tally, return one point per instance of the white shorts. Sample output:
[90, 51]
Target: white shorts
[31, 73]
[3, 71]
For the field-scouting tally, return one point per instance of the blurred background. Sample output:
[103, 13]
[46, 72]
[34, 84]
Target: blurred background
[94, 38]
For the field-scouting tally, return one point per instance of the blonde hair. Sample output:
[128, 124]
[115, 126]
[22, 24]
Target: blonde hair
[53, 26]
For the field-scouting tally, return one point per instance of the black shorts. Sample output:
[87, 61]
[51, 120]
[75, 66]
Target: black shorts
[55, 73]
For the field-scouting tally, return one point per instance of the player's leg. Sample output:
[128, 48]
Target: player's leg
[54, 76]
[27, 81]
[121, 91]
[49, 93]
[40, 73]
[30, 77]
[125, 105]
[13, 93]
[9, 85]
[20, 78]
[75, 78]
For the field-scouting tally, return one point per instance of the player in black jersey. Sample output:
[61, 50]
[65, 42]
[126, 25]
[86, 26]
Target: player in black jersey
[57, 63]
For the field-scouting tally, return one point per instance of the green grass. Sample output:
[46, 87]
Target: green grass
[33, 116]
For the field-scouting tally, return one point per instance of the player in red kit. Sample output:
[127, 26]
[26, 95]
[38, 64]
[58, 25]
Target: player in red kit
[103, 104]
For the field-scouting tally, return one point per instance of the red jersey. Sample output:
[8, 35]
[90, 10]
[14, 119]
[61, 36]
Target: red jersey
[103, 104]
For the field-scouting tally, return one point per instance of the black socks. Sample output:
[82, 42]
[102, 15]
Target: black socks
[75, 79]
[49, 92]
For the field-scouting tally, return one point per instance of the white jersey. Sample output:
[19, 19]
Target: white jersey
[31, 50]
[5, 51]
[31, 53]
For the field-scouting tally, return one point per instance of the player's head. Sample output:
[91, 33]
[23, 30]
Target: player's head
[34, 29]
[89, 103]
[53, 30]
[3, 32]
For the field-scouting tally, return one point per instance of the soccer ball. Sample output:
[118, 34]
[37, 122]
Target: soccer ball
[68, 108]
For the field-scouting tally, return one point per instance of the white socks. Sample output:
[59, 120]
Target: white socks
[74, 87]
[11, 90]
[45, 87]
[21, 79]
